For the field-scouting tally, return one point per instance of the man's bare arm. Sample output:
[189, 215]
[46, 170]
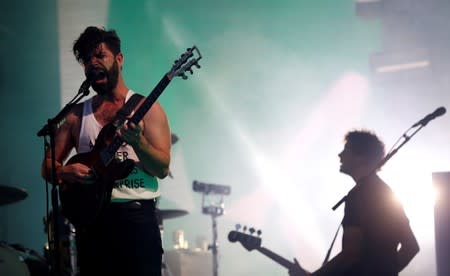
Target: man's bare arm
[151, 141]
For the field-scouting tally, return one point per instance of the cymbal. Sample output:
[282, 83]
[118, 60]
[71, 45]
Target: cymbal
[171, 213]
[10, 194]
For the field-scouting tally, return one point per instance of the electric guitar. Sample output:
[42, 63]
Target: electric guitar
[82, 204]
[253, 242]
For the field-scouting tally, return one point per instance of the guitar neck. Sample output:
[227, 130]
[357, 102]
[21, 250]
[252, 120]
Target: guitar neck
[107, 155]
[275, 257]
[150, 100]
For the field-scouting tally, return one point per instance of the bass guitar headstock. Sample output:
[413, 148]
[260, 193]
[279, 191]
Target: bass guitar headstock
[252, 241]
[249, 241]
[185, 63]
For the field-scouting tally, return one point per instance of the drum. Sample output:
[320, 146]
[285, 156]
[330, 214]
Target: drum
[67, 244]
[16, 260]
[11, 263]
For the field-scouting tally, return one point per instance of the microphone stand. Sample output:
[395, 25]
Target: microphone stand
[388, 156]
[49, 130]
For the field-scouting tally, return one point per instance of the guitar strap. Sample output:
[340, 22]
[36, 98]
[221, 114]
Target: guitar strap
[126, 110]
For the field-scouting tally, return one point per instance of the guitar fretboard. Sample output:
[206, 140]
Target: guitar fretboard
[275, 257]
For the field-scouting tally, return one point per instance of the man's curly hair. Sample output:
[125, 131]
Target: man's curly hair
[88, 42]
[367, 144]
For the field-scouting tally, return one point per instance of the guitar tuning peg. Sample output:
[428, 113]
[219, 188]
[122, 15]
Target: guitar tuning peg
[244, 229]
[252, 230]
[197, 65]
[259, 232]
[190, 71]
[183, 76]
[238, 226]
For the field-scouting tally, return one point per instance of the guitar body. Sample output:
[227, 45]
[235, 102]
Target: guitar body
[82, 204]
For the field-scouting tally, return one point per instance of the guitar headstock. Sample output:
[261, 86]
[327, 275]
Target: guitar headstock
[248, 240]
[185, 63]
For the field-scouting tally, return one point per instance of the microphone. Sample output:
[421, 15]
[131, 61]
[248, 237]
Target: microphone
[94, 74]
[84, 88]
[438, 112]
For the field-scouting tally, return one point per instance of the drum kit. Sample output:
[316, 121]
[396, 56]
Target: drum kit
[16, 260]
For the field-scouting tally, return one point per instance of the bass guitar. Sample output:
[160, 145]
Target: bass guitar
[252, 241]
[82, 204]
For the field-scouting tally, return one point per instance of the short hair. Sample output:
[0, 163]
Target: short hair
[367, 144]
[88, 42]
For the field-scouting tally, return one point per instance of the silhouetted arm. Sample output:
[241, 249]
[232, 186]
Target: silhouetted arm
[409, 248]
[350, 254]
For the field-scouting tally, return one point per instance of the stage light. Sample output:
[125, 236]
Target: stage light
[396, 61]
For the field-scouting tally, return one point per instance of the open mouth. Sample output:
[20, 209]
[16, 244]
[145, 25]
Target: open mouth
[101, 80]
[96, 74]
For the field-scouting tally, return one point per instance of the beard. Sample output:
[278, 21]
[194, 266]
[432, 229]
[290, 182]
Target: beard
[112, 77]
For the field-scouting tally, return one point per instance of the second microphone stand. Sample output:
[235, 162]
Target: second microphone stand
[388, 156]
[49, 130]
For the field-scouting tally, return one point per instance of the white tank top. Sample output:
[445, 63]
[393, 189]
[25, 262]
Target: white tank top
[139, 184]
